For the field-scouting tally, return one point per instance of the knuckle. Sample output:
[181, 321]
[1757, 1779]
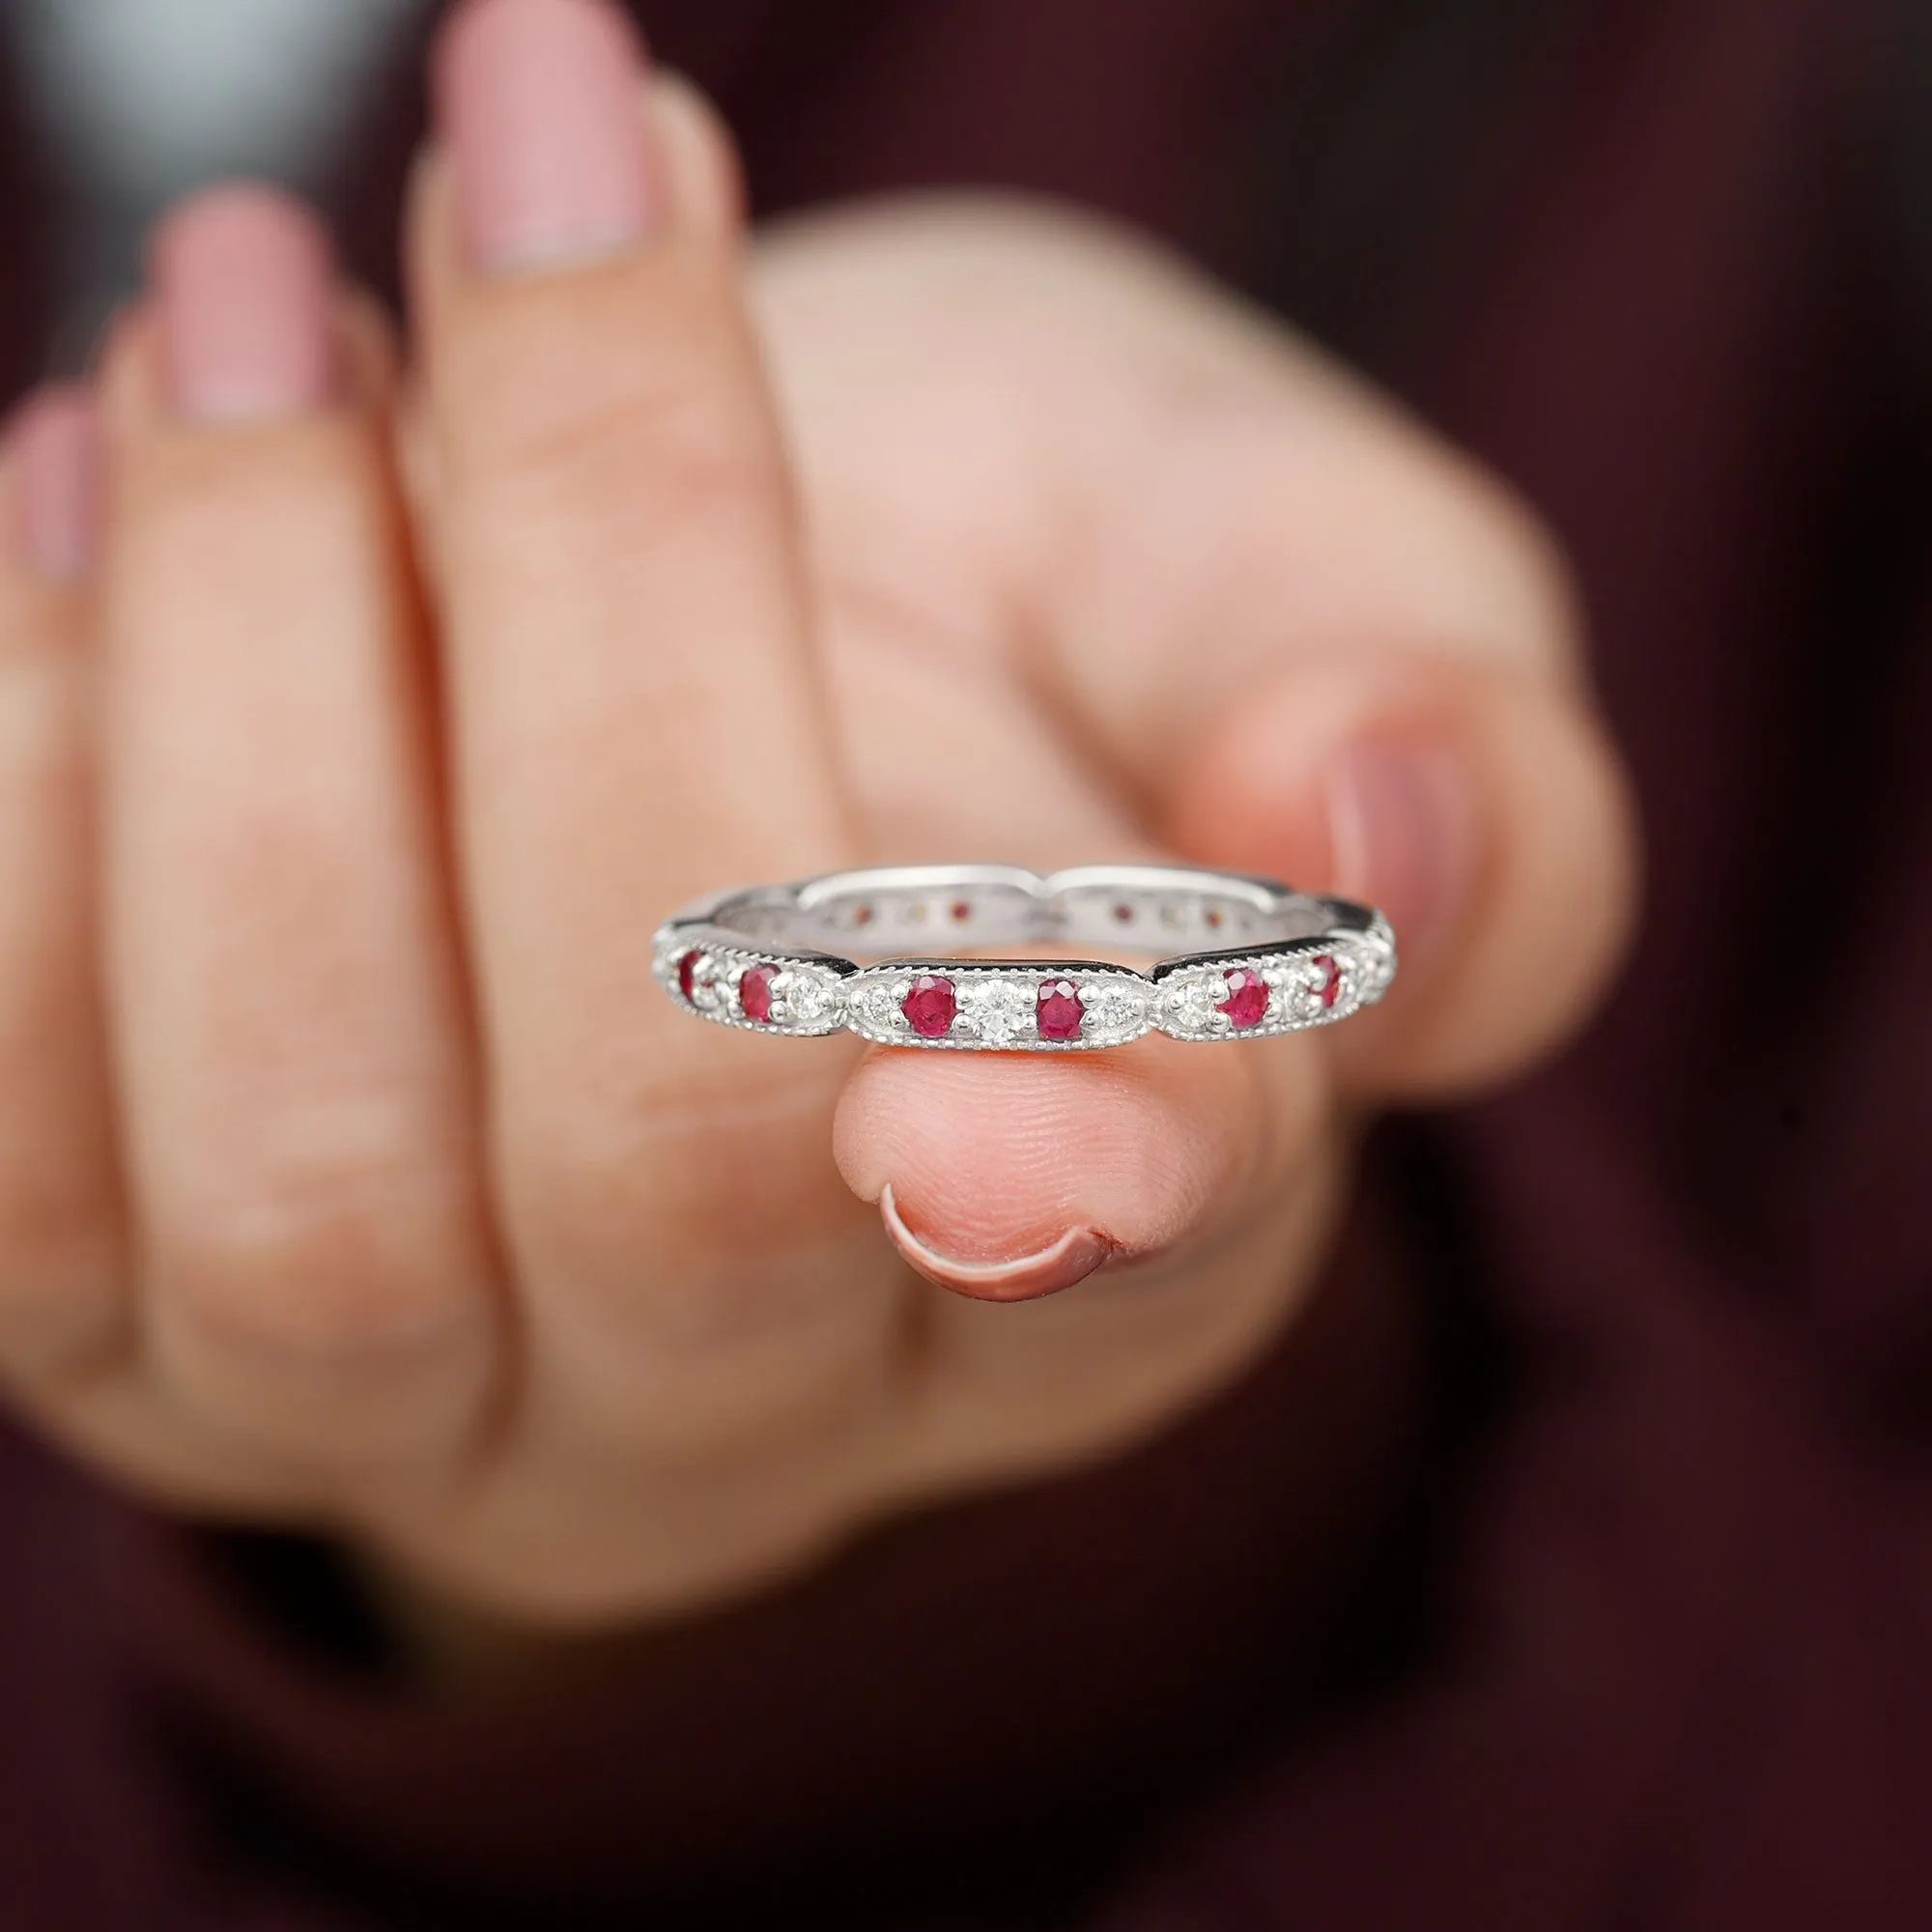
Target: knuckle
[654, 462]
[658, 424]
[629, 1229]
[60, 1269]
[337, 1260]
[270, 509]
[199, 487]
[582, 1199]
[678, 1227]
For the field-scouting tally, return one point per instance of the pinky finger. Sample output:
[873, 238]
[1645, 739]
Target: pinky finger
[62, 1306]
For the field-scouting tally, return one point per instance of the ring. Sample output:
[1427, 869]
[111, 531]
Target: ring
[1254, 958]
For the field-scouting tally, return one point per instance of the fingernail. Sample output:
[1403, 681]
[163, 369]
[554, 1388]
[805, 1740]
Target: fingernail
[244, 286]
[1072, 1258]
[540, 105]
[1402, 821]
[54, 451]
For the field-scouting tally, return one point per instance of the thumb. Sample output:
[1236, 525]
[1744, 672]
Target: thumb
[1478, 804]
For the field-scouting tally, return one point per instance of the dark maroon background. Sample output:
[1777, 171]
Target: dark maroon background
[1571, 1567]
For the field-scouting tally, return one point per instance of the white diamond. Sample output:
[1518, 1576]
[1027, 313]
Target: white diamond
[997, 1010]
[707, 989]
[1114, 1007]
[807, 997]
[878, 1006]
[1191, 1005]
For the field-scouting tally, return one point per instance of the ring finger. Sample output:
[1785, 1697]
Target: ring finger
[280, 959]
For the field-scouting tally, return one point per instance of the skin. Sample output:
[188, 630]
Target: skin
[352, 1172]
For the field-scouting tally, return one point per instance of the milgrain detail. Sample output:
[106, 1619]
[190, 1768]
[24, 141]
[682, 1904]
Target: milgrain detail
[1260, 959]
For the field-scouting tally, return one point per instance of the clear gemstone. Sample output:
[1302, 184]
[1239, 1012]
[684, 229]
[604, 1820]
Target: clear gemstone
[998, 1011]
[807, 997]
[1191, 1005]
[1115, 1008]
[929, 1006]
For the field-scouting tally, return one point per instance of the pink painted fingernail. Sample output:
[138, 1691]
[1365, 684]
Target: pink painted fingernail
[1072, 1258]
[1402, 819]
[54, 445]
[540, 104]
[245, 285]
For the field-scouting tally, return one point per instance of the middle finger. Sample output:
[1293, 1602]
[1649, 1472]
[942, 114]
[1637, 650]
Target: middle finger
[637, 716]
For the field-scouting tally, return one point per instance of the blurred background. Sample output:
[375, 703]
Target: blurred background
[134, 102]
[1666, 265]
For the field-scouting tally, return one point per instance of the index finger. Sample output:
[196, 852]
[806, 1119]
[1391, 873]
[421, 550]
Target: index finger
[638, 714]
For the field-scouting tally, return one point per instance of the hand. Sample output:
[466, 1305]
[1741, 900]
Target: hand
[352, 1171]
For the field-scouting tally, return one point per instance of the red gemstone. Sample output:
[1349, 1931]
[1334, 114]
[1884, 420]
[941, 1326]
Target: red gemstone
[1058, 1014]
[929, 1006]
[686, 966]
[1247, 1001]
[754, 993]
[1330, 988]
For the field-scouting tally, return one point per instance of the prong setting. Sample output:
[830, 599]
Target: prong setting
[1299, 960]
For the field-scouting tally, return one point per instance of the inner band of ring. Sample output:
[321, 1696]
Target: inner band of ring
[1148, 910]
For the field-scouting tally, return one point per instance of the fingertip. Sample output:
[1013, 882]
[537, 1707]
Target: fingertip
[1062, 1263]
[244, 276]
[53, 459]
[1546, 913]
[237, 213]
[1484, 811]
[689, 161]
[704, 178]
[1405, 832]
[1010, 1176]
[1346, 775]
[535, 103]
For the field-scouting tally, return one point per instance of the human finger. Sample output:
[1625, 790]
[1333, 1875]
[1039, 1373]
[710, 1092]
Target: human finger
[1483, 808]
[637, 710]
[1323, 645]
[1297, 633]
[288, 1008]
[64, 1305]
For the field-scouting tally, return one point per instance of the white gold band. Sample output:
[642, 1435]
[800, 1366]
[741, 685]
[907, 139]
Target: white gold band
[1256, 958]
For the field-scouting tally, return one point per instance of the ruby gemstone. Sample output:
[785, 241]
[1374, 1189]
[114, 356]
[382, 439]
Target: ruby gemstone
[1330, 988]
[686, 966]
[1247, 1003]
[754, 993]
[1058, 1010]
[929, 1006]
